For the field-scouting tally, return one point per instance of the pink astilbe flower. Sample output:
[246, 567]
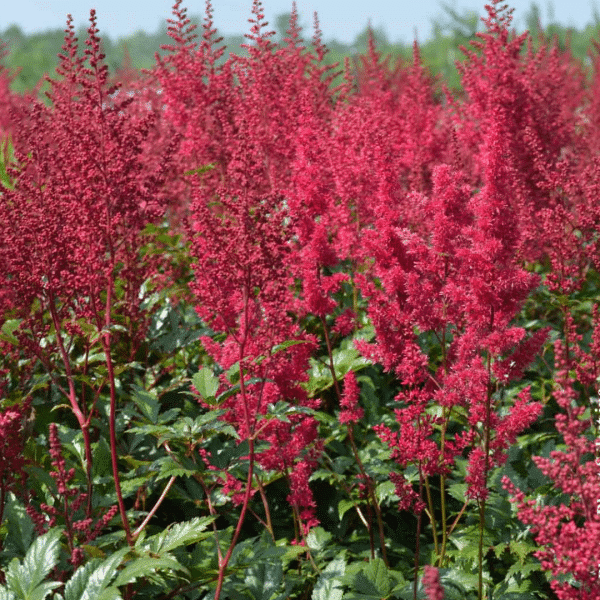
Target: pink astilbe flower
[351, 411]
[432, 584]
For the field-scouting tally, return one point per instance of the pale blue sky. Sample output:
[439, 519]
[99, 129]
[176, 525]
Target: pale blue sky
[340, 19]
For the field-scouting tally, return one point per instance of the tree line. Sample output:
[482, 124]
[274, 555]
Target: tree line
[30, 56]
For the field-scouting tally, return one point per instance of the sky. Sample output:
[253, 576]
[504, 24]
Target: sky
[339, 19]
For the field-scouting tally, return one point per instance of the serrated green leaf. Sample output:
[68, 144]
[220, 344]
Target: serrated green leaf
[19, 525]
[147, 403]
[75, 587]
[465, 581]
[458, 490]
[110, 593]
[42, 590]
[169, 468]
[344, 506]
[386, 491]
[103, 575]
[264, 579]
[377, 573]
[523, 569]
[145, 566]
[6, 594]
[288, 344]
[26, 580]
[206, 384]
[500, 548]
[178, 535]
[318, 538]
[292, 552]
[363, 587]
[521, 548]
[329, 584]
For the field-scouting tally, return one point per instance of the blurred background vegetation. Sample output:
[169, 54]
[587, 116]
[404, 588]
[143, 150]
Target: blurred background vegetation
[30, 57]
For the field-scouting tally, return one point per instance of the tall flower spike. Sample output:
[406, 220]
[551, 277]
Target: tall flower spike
[431, 583]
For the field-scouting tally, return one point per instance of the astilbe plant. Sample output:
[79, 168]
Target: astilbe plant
[241, 238]
[71, 233]
[566, 528]
[431, 254]
[68, 502]
[454, 277]
[311, 213]
[530, 99]
[242, 224]
[568, 531]
[461, 286]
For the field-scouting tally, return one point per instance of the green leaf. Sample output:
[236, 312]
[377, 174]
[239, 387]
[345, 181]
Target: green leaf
[264, 579]
[147, 403]
[288, 344]
[386, 492]
[329, 584]
[99, 581]
[522, 549]
[318, 538]
[377, 574]
[523, 569]
[344, 506]
[26, 579]
[177, 535]
[110, 593]
[169, 468]
[19, 525]
[145, 566]
[200, 170]
[75, 587]
[7, 331]
[206, 383]
[458, 490]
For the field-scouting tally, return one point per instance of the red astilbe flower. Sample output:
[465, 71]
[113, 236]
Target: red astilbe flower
[70, 230]
[460, 283]
[529, 100]
[568, 534]
[351, 412]
[241, 238]
[72, 222]
[354, 163]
